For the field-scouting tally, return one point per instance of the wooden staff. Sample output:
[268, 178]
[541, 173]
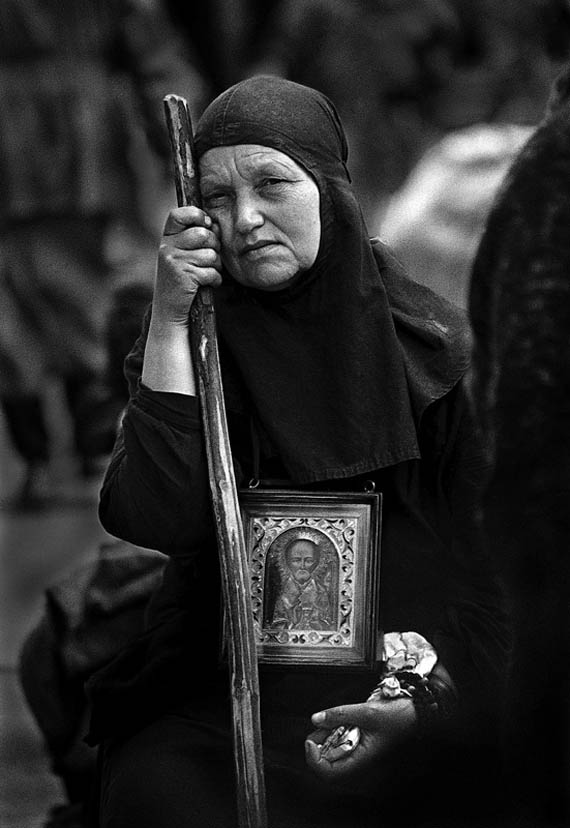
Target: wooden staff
[234, 562]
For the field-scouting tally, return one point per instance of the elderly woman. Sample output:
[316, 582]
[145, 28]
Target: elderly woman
[339, 373]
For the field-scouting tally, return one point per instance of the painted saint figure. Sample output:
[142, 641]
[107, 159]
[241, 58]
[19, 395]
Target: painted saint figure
[304, 599]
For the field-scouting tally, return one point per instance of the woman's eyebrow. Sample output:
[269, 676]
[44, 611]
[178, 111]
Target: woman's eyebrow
[274, 168]
[213, 183]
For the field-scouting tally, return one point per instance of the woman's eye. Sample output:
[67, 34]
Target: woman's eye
[272, 182]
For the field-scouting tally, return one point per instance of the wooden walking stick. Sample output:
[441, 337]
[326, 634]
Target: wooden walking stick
[229, 531]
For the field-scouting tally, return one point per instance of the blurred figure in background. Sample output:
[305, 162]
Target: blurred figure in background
[92, 610]
[223, 35]
[510, 54]
[519, 308]
[121, 331]
[435, 221]
[77, 80]
[487, 110]
[89, 614]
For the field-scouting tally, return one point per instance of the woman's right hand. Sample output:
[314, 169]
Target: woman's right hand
[189, 257]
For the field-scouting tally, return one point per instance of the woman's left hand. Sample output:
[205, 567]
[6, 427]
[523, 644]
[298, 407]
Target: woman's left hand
[383, 724]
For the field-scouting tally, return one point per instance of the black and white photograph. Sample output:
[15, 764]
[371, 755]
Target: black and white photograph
[284, 395]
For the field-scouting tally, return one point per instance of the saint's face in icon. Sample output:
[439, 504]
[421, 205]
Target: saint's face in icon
[302, 556]
[303, 599]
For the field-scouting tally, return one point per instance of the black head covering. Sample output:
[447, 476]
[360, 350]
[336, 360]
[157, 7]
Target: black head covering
[339, 366]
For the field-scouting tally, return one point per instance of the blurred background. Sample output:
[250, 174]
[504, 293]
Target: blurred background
[437, 97]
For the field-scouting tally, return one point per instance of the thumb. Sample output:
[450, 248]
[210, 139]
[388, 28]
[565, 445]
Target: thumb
[181, 218]
[345, 714]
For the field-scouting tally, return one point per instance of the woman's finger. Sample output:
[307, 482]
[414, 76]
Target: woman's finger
[195, 256]
[181, 218]
[347, 715]
[205, 276]
[193, 238]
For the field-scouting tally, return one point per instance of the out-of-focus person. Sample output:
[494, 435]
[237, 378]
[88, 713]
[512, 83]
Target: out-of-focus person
[519, 310]
[223, 34]
[77, 80]
[434, 222]
[91, 610]
[88, 614]
[487, 110]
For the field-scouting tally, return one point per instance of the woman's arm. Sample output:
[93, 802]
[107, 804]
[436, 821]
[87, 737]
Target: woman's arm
[188, 258]
[155, 493]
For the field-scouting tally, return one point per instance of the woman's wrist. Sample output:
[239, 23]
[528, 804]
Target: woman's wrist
[445, 695]
[167, 364]
[411, 668]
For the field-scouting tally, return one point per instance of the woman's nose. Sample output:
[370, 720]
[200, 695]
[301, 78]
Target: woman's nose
[248, 213]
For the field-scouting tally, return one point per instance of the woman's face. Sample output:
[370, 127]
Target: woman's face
[267, 210]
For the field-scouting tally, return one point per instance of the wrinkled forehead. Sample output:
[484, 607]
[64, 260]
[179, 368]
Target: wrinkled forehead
[273, 112]
[246, 161]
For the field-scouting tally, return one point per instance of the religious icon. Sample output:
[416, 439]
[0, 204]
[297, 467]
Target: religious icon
[314, 566]
[302, 578]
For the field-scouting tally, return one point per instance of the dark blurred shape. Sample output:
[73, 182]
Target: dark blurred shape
[505, 66]
[520, 314]
[100, 414]
[554, 19]
[223, 34]
[80, 82]
[121, 331]
[89, 614]
[435, 221]
[94, 609]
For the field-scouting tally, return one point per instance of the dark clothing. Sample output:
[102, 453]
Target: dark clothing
[89, 615]
[435, 580]
[435, 577]
[187, 754]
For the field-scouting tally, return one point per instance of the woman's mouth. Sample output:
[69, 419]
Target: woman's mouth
[257, 248]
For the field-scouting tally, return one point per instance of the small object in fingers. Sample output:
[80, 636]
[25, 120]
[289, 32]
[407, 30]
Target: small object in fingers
[333, 739]
[341, 741]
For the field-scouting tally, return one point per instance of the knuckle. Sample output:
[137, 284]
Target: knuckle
[205, 237]
[201, 235]
[187, 212]
[167, 254]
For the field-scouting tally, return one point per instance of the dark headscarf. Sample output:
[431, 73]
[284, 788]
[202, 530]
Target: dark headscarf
[339, 367]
